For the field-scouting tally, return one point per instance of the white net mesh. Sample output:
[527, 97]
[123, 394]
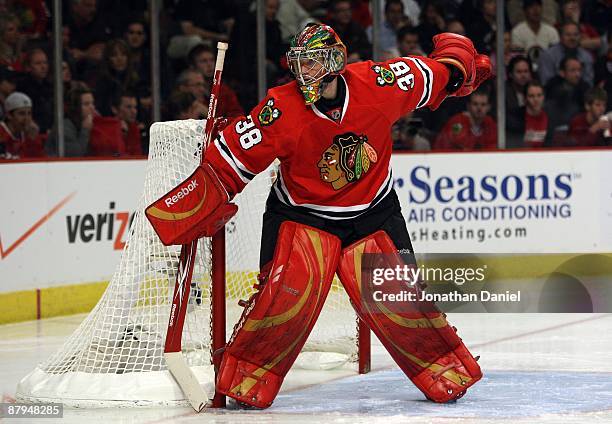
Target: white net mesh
[125, 333]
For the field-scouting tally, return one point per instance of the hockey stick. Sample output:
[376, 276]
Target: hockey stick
[175, 360]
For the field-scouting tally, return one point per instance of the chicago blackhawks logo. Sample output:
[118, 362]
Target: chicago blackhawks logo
[268, 113]
[348, 159]
[384, 75]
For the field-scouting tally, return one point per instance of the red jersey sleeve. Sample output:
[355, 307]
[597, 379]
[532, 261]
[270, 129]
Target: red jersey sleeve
[249, 144]
[414, 82]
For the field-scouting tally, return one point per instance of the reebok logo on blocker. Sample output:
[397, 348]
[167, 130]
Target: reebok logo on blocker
[171, 200]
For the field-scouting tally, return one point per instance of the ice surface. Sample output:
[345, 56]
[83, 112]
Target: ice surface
[539, 368]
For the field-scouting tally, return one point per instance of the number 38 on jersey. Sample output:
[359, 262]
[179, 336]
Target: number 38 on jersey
[250, 135]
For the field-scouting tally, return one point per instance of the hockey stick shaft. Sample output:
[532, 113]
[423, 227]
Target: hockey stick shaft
[172, 349]
[214, 95]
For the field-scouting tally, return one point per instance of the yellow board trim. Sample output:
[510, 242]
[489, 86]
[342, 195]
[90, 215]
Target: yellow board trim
[54, 301]
[20, 306]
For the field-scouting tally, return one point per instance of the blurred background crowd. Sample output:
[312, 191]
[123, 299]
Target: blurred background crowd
[557, 55]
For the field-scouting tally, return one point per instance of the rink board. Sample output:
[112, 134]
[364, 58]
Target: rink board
[63, 224]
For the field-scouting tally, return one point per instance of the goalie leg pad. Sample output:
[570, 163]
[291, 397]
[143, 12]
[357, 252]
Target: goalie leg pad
[416, 334]
[277, 321]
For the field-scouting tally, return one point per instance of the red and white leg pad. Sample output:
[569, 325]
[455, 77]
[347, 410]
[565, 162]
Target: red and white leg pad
[415, 333]
[277, 321]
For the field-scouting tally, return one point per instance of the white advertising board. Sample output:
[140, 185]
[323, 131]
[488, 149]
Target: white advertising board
[510, 202]
[65, 222]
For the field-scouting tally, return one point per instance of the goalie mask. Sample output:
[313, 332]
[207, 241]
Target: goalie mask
[316, 54]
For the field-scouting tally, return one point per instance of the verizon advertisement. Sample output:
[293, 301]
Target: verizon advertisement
[523, 202]
[65, 222]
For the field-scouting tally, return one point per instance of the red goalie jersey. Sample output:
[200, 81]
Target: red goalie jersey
[335, 164]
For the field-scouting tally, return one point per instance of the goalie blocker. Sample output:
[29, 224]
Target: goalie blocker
[198, 207]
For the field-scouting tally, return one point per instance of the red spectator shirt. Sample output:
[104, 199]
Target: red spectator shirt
[460, 133]
[108, 139]
[228, 105]
[334, 167]
[579, 132]
[535, 129]
[14, 147]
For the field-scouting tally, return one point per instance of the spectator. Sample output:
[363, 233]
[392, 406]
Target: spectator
[69, 83]
[352, 35]
[117, 74]
[361, 13]
[519, 74]
[589, 37]
[38, 87]
[184, 106]
[135, 36]
[206, 21]
[405, 134]
[516, 11]
[527, 126]
[569, 46]
[470, 130]
[19, 135]
[192, 81]
[510, 51]
[534, 35]
[66, 50]
[32, 15]
[433, 21]
[202, 59]
[88, 32]
[456, 27]
[118, 135]
[483, 27]
[293, 15]
[11, 42]
[8, 84]
[407, 43]
[78, 121]
[591, 127]
[241, 58]
[564, 97]
[412, 10]
[603, 71]
[394, 20]
[598, 14]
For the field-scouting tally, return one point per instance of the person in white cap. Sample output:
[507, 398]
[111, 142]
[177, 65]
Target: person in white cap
[19, 134]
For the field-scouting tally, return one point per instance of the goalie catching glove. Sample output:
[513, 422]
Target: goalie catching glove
[468, 69]
[197, 207]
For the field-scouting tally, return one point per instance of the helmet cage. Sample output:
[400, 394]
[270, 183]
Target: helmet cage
[303, 61]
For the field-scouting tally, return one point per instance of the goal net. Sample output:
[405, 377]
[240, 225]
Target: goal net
[115, 357]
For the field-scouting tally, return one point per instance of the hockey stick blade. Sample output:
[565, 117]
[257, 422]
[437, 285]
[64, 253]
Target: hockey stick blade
[187, 380]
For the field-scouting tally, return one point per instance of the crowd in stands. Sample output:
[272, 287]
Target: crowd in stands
[557, 56]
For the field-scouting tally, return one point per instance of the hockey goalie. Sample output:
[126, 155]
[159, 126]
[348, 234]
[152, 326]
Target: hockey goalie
[333, 202]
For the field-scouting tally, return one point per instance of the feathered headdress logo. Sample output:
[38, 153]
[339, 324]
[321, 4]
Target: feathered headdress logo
[347, 160]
